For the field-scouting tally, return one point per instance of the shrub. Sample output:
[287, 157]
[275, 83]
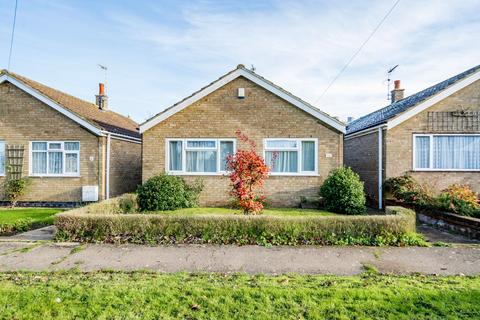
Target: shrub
[342, 192]
[460, 199]
[15, 188]
[406, 189]
[396, 228]
[248, 172]
[166, 192]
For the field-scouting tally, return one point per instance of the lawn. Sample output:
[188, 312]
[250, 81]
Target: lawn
[279, 212]
[23, 219]
[137, 295]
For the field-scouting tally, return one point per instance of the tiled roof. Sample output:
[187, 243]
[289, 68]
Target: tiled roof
[104, 119]
[383, 115]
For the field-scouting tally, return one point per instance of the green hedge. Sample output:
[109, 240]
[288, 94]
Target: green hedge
[395, 228]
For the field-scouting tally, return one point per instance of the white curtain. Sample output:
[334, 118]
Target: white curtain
[308, 156]
[282, 161]
[55, 162]
[71, 163]
[2, 158]
[456, 152]
[175, 152]
[226, 148]
[201, 161]
[422, 152]
[39, 162]
[201, 144]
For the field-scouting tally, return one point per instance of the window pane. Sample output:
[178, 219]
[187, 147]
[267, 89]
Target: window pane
[226, 148]
[456, 152]
[2, 157]
[55, 162]
[201, 161]
[39, 146]
[175, 153]
[39, 162]
[308, 156]
[71, 163]
[281, 144]
[282, 161]
[55, 146]
[422, 152]
[201, 144]
[72, 146]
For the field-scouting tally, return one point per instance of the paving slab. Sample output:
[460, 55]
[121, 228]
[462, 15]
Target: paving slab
[41, 234]
[249, 259]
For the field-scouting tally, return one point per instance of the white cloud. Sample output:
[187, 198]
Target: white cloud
[301, 46]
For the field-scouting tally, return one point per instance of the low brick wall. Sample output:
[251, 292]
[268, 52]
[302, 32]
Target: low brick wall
[466, 226]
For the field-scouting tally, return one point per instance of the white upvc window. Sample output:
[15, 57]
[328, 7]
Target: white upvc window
[54, 158]
[446, 152]
[286, 156]
[196, 156]
[2, 158]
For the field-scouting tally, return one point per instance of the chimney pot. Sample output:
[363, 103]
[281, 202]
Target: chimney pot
[101, 89]
[397, 84]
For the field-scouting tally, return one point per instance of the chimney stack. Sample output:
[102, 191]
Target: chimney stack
[101, 97]
[397, 93]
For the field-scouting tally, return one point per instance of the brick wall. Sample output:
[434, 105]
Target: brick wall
[361, 154]
[400, 142]
[125, 166]
[260, 115]
[23, 119]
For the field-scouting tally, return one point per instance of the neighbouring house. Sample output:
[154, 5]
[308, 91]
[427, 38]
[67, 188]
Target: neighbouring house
[433, 135]
[73, 150]
[193, 137]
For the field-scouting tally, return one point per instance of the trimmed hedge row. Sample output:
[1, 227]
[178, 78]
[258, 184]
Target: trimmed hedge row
[395, 228]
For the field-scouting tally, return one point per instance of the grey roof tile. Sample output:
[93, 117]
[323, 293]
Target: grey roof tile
[383, 115]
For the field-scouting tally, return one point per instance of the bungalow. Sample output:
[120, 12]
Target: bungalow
[433, 135]
[193, 137]
[72, 150]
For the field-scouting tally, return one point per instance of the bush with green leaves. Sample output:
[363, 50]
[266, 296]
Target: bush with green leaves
[167, 192]
[460, 199]
[343, 192]
[15, 188]
[406, 189]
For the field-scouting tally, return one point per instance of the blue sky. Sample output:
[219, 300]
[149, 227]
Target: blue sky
[158, 52]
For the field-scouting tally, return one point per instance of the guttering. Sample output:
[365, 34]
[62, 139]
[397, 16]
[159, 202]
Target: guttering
[122, 137]
[107, 169]
[366, 131]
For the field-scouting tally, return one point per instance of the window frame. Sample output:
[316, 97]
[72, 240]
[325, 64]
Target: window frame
[64, 152]
[185, 148]
[431, 135]
[2, 174]
[299, 156]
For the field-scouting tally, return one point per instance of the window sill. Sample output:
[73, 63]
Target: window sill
[278, 174]
[173, 173]
[54, 176]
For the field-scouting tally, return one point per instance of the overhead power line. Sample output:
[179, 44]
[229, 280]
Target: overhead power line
[358, 51]
[13, 33]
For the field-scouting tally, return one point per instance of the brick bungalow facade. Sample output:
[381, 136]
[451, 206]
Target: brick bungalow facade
[72, 150]
[433, 135]
[192, 138]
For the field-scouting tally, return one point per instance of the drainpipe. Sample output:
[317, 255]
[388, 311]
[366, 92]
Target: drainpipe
[107, 169]
[380, 168]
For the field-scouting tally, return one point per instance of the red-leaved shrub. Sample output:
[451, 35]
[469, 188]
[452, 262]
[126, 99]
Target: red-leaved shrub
[248, 172]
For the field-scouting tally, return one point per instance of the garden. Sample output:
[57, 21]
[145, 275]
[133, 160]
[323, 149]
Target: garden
[164, 210]
[15, 220]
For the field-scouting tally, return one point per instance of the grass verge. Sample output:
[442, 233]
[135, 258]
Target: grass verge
[111, 295]
[23, 219]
